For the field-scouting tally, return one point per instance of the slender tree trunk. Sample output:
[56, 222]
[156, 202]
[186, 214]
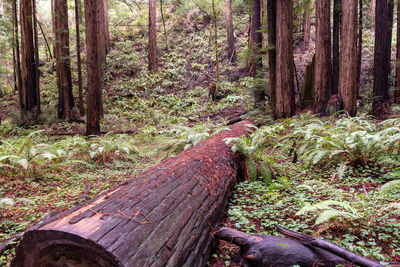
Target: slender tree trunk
[216, 42]
[397, 89]
[348, 57]
[53, 25]
[17, 53]
[78, 55]
[255, 42]
[44, 37]
[29, 92]
[64, 82]
[153, 66]
[36, 42]
[163, 22]
[229, 32]
[271, 10]
[381, 57]
[360, 38]
[106, 29]
[307, 23]
[285, 106]
[337, 12]
[93, 51]
[323, 63]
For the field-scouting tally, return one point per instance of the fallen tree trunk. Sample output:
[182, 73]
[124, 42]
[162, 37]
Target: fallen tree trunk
[162, 217]
[268, 250]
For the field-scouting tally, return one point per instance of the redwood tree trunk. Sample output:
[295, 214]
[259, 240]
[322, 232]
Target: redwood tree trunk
[397, 89]
[323, 65]
[381, 57]
[63, 67]
[162, 217]
[152, 36]
[337, 12]
[360, 38]
[78, 55]
[17, 54]
[307, 22]
[255, 44]
[30, 99]
[348, 57]
[94, 51]
[285, 106]
[229, 32]
[271, 10]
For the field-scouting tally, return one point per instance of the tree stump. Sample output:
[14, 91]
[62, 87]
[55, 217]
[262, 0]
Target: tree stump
[162, 217]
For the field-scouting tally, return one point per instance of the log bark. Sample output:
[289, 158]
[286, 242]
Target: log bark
[267, 250]
[162, 217]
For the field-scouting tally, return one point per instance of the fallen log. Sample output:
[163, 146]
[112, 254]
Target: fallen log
[268, 250]
[162, 217]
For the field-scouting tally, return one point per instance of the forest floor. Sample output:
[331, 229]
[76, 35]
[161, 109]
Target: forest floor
[331, 177]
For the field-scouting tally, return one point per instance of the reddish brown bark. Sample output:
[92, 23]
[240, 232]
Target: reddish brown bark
[229, 32]
[63, 68]
[348, 57]
[323, 65]
[30, 99]
[78, 55]
[162, 217]
[285, 106]
[271, 14]
[307, 22]
[94, 52]
[152, 36]
[337, 12]
[36, 45]
[397, 89]
[17, 53]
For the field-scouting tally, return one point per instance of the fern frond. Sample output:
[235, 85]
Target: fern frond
[389, 186]
[328, 214]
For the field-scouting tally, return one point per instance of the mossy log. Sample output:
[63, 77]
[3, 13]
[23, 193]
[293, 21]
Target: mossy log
[162, 217]
[298, 249]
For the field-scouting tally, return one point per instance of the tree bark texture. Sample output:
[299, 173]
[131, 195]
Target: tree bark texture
[63, 66]
[348, 57]
[271, 14]
[360, 39]
[285, 106]
[307, 23]
[323, 63]
[397, 89]
[229, 32]
[29, 92]
[337, 12]
[162, 217]
[78, 55]
[381, 57]
[152, 36]
[17, 53]
[94, 52]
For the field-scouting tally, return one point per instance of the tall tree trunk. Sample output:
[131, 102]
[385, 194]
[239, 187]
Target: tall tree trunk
[271, 15]
[17, 53]
[29, 92]
[255, 43]
[397, 89]
[381, 57]
[348, 57]
[63, 67]
[53, 25]
[45, 39]
[360, 39]
[323, 63]
[337, 12]
[36, 42]
[106, 29]
[229, 32]
[78, 56]
[307, 22]
[103, 38]
[152, 36]
[216, 43]
[285, 106]
[93, 47]
[163, 22]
